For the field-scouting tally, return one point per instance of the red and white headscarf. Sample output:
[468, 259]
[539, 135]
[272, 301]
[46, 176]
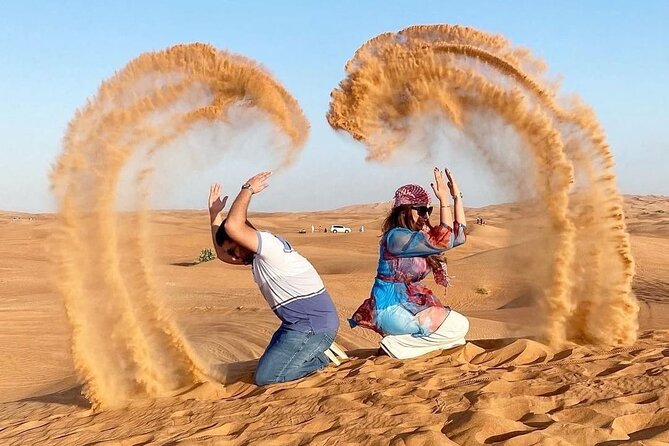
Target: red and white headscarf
[411, 194]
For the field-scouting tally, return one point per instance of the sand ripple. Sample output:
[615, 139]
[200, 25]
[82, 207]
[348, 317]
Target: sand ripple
[512, 392]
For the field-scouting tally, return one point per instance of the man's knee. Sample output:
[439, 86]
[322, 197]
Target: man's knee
[263, 375]
[261, 380]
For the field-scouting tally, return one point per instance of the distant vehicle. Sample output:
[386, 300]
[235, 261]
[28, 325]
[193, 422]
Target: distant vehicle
[302, 231]
[340, 228]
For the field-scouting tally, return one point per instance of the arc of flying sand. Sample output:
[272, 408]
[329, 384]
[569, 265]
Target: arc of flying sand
[113, 290]
[604, 202]
[535, 127]
[611, 209]
[416, 47]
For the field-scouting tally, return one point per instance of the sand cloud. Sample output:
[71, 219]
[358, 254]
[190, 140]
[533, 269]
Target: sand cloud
[463, 75]
[124, 343]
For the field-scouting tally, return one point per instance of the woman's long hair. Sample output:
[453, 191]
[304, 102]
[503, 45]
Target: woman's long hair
[399, 217]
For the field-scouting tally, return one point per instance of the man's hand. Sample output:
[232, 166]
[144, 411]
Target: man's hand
[216, 204]
[259, 182]
[452, 185]
[439, 186]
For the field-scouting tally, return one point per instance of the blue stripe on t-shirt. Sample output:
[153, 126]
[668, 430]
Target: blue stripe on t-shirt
[315, 313]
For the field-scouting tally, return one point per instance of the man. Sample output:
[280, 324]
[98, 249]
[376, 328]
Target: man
[287, 281]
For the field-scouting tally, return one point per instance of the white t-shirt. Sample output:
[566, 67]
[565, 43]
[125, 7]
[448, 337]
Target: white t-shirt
[291, 286]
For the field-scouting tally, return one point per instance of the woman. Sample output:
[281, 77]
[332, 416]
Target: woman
[408, 315]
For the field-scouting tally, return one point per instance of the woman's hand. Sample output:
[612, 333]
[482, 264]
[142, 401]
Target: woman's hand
[258, 182]
[216, 205]
[453, 187]
[439, 186]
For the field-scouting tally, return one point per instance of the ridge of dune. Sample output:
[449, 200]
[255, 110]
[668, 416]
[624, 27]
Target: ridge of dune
[382, 206]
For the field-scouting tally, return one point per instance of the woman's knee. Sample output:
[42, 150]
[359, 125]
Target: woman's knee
[465, 328]
[461, 323]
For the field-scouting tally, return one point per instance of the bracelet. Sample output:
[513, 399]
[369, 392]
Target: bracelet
[248, 187]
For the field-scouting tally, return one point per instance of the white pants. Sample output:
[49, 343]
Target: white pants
[451, 333]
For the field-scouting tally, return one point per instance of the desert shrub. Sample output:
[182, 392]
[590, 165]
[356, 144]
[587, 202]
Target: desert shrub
[482, 290]
[206, 255]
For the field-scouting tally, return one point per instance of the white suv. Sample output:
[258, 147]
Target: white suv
[339, 228]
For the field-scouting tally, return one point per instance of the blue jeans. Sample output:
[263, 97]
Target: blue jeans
[293, 354]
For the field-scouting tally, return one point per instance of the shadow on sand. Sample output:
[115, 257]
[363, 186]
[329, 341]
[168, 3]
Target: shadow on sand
[72, 395]
[185, 263]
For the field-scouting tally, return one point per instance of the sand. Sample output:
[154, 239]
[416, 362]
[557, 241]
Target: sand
[504, 387]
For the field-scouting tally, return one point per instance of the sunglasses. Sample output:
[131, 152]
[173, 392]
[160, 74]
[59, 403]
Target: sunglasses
[423, 211]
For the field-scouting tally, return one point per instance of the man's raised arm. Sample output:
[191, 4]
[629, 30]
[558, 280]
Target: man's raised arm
[235, 224]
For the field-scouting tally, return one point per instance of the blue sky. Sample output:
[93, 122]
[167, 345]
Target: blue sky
[53, 55]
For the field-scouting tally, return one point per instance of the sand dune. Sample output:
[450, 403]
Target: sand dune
[505, 387]
[498, 392]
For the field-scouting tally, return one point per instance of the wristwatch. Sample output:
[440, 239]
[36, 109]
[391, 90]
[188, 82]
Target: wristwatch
[248, 186]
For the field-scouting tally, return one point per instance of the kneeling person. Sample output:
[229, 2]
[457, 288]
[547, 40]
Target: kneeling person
[287, 281]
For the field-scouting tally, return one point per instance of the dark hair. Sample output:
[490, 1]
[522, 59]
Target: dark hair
[222, 234]
[399, 217]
